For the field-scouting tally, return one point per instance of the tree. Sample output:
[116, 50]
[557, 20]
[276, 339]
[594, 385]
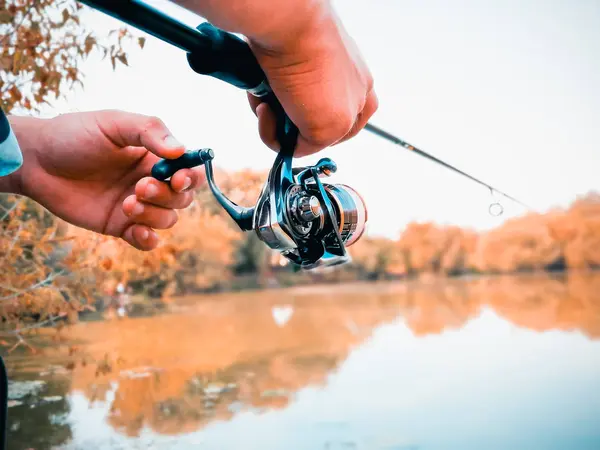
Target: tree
[42, 46]
[46, 276]
[200, 253]
[43, 280]
[372, 256]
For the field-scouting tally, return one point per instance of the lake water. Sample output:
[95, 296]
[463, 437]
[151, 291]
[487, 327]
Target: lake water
[503, 363]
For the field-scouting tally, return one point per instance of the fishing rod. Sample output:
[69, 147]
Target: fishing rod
[402, 143]
[307, 221]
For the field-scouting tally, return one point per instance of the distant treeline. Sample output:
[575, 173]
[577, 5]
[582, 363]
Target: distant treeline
[558, 240]
[51, 268]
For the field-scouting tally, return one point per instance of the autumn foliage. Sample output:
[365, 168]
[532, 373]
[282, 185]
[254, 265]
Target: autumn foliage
[558, 240]
[197, 254]
[45, 276]
[205, 251]
[52, 271]
[42, 43]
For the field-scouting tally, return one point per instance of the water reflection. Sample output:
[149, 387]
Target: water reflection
[492, 363]
[46, 412]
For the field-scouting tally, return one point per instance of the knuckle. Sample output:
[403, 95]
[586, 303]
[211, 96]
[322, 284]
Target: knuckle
[154, 123]
[332, 129]
[369, 82]
[172, 220]
[375, 103]
[187, 200]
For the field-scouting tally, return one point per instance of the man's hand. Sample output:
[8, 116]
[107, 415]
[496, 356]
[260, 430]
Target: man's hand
[92, 170]
[313, 66]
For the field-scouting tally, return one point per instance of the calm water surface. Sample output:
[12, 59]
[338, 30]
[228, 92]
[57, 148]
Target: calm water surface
[505, 363]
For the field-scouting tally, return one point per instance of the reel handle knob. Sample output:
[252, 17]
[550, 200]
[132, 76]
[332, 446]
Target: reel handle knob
[166, 168]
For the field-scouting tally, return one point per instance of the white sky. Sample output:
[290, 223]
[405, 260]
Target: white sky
[506, 90]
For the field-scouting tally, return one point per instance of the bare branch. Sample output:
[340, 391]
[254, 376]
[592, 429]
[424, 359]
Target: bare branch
[33, 287]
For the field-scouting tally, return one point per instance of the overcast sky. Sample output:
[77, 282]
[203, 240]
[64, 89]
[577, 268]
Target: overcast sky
[508, 91]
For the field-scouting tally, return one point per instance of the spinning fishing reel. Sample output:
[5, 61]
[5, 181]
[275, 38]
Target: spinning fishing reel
[307, 221]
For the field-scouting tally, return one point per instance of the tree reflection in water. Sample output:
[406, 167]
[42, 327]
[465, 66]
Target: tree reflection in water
[223, 354]
[40, 422]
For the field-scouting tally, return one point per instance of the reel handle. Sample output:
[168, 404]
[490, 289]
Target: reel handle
[166, 168]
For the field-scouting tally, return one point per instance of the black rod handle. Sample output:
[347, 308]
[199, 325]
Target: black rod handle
[152, 21]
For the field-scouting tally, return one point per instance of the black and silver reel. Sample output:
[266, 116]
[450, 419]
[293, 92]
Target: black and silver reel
[307, 221]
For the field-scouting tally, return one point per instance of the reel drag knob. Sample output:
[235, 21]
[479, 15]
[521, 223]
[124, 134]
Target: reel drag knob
[308, 208]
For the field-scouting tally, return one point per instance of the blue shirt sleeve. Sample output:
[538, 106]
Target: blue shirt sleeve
[11, 158]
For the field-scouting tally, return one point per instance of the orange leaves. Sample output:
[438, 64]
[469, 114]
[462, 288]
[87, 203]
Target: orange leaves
[42, 278]
[106, 263]
[556, 240]
[43, 44]
[89, 43]
[6, 16]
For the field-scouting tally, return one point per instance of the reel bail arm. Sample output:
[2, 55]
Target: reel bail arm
[166, 168]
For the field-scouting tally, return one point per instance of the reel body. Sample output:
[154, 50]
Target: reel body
[307, 221]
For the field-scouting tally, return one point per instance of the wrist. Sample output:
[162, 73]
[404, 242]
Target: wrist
[26, 130]
[263, 23]
[293, 26]
[9, 184]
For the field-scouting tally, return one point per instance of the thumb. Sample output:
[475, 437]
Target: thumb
[126, 129]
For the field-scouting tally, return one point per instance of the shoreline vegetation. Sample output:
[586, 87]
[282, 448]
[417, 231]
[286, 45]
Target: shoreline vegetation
[205, 253]
[53, 272]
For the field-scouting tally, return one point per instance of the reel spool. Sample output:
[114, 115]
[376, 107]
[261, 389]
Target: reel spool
[307, 221]
[351, 212]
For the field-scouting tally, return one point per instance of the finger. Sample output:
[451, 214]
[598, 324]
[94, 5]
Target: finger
[141, 237]
[185, 180]
[254, 101]
[363, 117]
[305, 148]
[267, 122]
[126, 129]
[154, 192]
[267, 126]
[147, 214]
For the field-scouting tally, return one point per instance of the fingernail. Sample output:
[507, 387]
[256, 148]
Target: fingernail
[186, 183]
[145, 234]
[137, 209]
[151, 190]
[170, 141]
